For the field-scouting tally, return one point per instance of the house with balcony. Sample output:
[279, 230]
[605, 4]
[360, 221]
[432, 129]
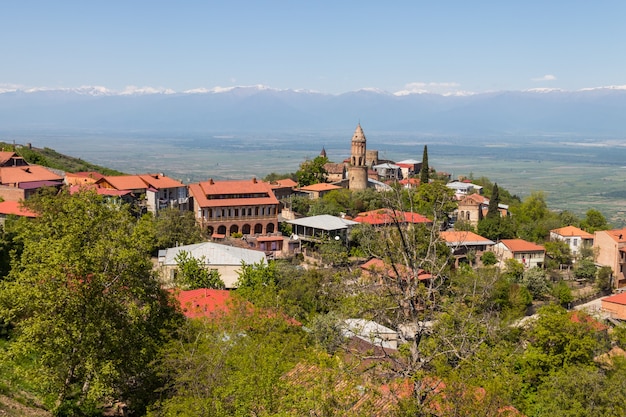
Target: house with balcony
[465, 244]
[527, 253]
[224, 208]
[610, 247]
[575, 238]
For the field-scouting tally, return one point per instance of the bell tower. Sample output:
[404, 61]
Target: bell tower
[357, 171]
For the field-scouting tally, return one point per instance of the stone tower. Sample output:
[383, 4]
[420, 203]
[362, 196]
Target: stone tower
[357, 171]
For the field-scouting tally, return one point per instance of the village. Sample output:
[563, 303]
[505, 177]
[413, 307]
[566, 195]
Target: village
[252, 222]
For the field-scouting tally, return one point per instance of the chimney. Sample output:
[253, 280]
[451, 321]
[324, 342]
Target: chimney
[211, 181]
[254, 180]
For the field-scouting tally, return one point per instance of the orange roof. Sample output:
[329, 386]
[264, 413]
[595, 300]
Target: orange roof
[15, 207]
[6, 155]
[572, 231]
[616, 299]
[160, 181]
[123, 182]
[85, 177]
[29, 173]
[203, 302]
[236, 193]
[463, 236]
[475, 198]
[322, 186]
[619, 235]
[580, 317]
[284, 183]
[387, 216]
[521, 245]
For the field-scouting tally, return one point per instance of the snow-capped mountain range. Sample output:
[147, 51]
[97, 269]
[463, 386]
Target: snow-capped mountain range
[594, 111]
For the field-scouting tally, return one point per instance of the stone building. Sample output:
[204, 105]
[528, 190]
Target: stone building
[357, 169]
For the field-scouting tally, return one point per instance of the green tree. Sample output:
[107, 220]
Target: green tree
[494, 201]
[425, 171]
[176, 228]
[84, 301]
[603, 278]
[563, 293]
[488, 258]
[594, 220]
[559, 253]
[496, 228]
[193, 274]
[536, 281]
[585, 269]
[312, 171]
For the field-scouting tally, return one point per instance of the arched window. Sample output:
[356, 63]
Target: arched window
[245, 229]
[234, 229]
[270, 228]
[258, 228]
[221, 230]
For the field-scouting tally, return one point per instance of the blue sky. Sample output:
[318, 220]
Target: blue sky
[326, 46]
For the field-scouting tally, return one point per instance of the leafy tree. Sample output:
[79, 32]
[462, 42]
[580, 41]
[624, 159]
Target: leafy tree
[533, 218]
[433, 200]
[496, 228]
[563, 293]
[489, 258]
[594, 220]
[84, 301]
[193, 273]
[425, 171]
[494, 201]
[603, 278]
[567, 218]
[176, 228]
[274, 176]
[312, 171]
[585, 269]
[559, 253]
[513, 270]
[536, 281]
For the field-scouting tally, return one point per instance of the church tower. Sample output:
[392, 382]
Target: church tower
[357, 171]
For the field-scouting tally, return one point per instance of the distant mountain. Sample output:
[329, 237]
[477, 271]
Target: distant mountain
[595, 111]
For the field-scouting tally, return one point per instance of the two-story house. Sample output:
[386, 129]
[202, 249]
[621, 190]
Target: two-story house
[236, 206]
[527, 253]
[21, 181]
[574, 237]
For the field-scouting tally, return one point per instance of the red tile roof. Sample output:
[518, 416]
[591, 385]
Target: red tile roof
[30, 173]
[521, 245]
[160, 181]
[572, 231]
[387, 216]
[616, 299]
[203, 302]
[15, 207]
[474, 198]
[284, 183]
[123, 182]
[322, 186]
[234, 193]
[376, 265]
[619, 235]
[462, 236]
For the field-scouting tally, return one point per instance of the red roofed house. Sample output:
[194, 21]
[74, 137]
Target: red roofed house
[527, 253]
[463, 242]
[11, 159]
[82, 178]
[387, 217]
[158, 191]
[575, 238]
[316, 191]
[610, 246]
[227, 207]
[473, 208]
[615, 306]
[378, 268]
[20, 182]
[203, 302]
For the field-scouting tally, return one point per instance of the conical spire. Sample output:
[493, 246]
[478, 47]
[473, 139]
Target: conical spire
[323, 153]
[358, 136]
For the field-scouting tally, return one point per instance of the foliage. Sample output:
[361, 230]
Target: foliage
[563, 293]
[274, 176]
[258, 282]
[558, 252]
[585, 269]
[85, 303]
[434, 200]
[174, 227]
[494, 201]
[603, 278]
[513, 270]
[194, 274]
[312, 171]
[594, 221]
[489, 258]
[425, 171]
[497, 228]
[533, 218]
[536, 281]
[334, 252]
[229, 366]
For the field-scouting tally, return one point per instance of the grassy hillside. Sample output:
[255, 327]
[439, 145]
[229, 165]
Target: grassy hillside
[52, 159]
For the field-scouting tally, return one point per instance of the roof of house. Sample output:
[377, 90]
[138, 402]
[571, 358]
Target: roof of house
[322, 186]
[463, 237]
[123, 182]
[234, 191]
[333, 168]
[15, 207]
[214, 254]
[388, 216]
[324, 222]
[619, 235]
[160, 181]
[474, 198]
[284, 183]
[203, 302]
[376, 265]
[85, 174]
[29, 173]
[409, 162]
[521, 245]
[616, 299]
[386, 165]
[5, 156]
[572, 231]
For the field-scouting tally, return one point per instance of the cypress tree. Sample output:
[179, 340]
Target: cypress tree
[494, 201]
[425, 172]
